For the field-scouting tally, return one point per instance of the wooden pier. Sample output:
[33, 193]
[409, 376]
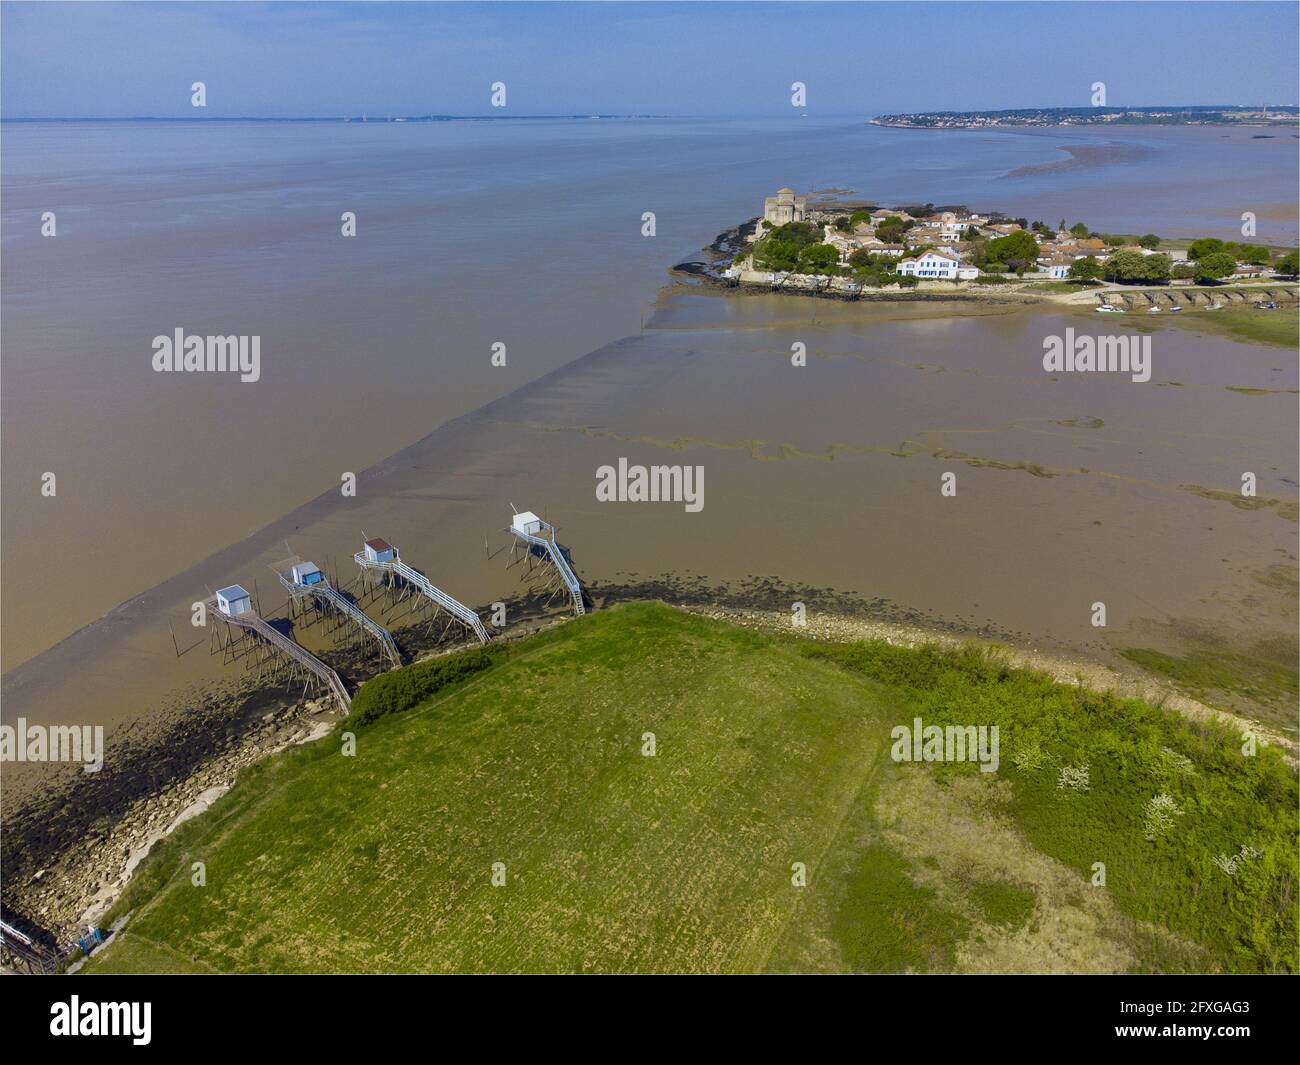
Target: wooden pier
[274, 651]
[380, 558]
[539, 535]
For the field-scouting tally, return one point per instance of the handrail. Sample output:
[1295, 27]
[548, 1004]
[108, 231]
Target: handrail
[453, 606]
[249, 620]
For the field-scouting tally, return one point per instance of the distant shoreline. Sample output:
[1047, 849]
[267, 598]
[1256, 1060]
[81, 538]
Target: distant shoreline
[1281, 116]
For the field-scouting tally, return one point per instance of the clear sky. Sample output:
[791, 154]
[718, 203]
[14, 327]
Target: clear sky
[308, 59]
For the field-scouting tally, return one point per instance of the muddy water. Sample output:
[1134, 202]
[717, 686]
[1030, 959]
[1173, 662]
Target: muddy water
[1070, 489]
[468, 234]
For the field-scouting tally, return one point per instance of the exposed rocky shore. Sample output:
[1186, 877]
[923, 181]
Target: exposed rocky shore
[72, 839]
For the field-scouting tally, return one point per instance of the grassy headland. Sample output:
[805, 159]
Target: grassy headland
[767, 752]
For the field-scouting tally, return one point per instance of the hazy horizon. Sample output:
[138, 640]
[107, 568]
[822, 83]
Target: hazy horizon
[322, 60]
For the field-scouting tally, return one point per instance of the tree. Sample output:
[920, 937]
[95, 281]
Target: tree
[865, 258]
[1204, 246]
[892, 228]
[1085, 269]
[1125, 266]
[1289, 264]
[1156, 267]
[1018, 250]
[1061, 227]
[1079, 230]
[1248, 253]
[859, 216]
[1215, 266]
[1182, 271]
[772, 253]
[1149, 240]
[818, 257]
[801, 233]
[843, 223]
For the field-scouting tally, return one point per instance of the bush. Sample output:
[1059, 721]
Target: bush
[818, 257]
[1214, 266]
[392, 693]
[1085, 269]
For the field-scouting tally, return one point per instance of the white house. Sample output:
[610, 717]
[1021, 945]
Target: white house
[527, 523]
[306, 573]
[1056, 265]
[932, 264]
[380, 550]
[233, 601]
[879, 247]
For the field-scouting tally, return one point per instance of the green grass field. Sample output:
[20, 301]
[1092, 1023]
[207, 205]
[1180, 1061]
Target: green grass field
[768, 753]
[1280, 327]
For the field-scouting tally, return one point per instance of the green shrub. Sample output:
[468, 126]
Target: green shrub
[391, 693]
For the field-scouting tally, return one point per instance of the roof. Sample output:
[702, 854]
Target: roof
[379, 545]
[233, 591]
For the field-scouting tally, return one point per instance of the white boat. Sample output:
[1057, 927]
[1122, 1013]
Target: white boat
[1106, 308]
[1175, 310]
[1153, 310]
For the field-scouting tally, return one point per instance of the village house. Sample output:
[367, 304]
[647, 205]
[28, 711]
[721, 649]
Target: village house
[1056, 266]
[843, 243]
[950, 226]
[878, 247]
[937, 265]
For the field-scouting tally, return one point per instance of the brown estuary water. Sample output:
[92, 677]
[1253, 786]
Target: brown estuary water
[821, 481]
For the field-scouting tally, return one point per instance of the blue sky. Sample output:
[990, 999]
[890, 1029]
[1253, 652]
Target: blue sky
[291, 59]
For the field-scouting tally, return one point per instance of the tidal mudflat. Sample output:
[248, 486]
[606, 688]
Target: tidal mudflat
[1070, 489]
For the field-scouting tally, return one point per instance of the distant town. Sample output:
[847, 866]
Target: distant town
[846, 249]
[1257, 115]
